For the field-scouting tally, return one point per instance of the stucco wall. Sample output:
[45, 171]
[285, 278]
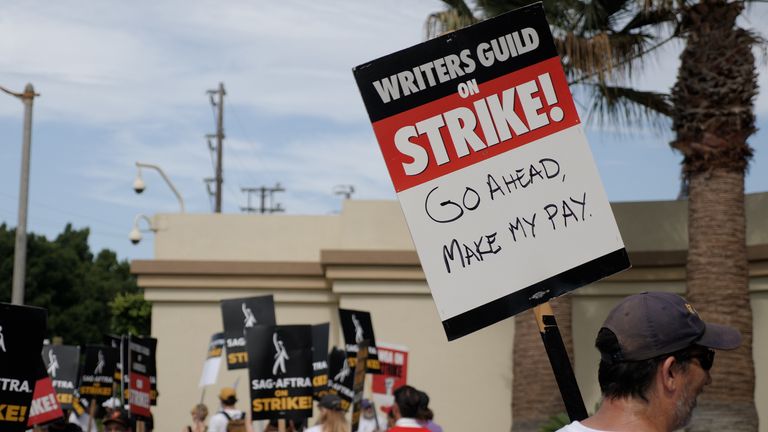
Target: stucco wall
[363, 259]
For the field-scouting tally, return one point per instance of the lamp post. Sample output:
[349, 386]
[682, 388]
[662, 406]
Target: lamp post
[20, 251]
[138, 183]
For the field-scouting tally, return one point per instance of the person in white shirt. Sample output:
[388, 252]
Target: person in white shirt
[656, 354]
[228, 398]
[369, 421]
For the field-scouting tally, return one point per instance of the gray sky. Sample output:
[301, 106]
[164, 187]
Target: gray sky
[126, 81]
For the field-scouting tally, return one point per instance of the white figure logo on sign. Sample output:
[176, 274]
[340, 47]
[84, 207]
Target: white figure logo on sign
[343, 373]
[2, 339]
[53, 364]
[389, 384]
[281, 355]
[250, 320]
[358, 329]
[100, 364]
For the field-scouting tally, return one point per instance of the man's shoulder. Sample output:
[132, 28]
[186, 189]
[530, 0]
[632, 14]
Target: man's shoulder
[576, 427]
[407, 429]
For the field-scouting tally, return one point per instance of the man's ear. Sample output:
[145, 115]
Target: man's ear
[395, 411]
[669, 374]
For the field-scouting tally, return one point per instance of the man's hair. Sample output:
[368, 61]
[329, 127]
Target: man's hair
[620, 379]
[424, 412]
[408, 400]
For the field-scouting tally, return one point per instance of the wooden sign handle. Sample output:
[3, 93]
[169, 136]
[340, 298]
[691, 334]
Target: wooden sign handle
[91, 413]
[281, 425]
[558, 359]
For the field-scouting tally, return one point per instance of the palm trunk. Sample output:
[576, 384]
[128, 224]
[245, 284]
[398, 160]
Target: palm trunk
[713, 116]
[535, 396]
[718, 286]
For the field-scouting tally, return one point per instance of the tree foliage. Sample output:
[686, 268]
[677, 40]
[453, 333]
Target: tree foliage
[83, 293]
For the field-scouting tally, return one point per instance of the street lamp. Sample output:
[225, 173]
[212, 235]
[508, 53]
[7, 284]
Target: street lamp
[139, 186]
[20, 251]
[135, 234]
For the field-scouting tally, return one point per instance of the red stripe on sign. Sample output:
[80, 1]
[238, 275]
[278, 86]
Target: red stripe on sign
[477, 122]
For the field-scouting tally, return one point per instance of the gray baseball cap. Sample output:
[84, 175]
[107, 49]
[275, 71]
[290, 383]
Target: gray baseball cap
[651, 324]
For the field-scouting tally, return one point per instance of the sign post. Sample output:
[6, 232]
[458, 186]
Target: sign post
[561, 365]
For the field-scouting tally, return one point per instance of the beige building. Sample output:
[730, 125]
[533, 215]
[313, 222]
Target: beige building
[363, 258]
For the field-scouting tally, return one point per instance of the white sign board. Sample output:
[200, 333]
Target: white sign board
[492, 169]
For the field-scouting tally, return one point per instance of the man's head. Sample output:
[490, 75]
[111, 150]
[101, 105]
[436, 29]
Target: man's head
[407, 402]
[367, 409]
[228, 396]
[648, 346]
[117, 421]
[330, 402]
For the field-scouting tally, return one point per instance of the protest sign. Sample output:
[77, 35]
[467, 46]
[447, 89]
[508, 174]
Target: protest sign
[139, 360]
[44, 408]
[210, 372]
[394, 373]
[357, 327]
[493, 172]
[320, 359]
[341, 377]
[151, 363]
[121, 384]
[280, 371]
[241, 314]
[63, 364]
[22, 329]
[98, 372]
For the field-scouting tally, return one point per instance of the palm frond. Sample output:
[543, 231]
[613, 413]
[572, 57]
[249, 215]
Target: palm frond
[625, 105]
[458, 15]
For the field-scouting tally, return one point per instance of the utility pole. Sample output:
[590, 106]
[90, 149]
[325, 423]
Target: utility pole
[219, 106]
[20, 251]
[266, 195]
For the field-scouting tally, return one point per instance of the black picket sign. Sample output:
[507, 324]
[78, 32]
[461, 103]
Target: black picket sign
[22, 329]
[357, 327]
[241, 314]
[280, 371]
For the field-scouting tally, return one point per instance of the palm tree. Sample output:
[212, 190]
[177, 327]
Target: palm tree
[713, 116]
[711, 107]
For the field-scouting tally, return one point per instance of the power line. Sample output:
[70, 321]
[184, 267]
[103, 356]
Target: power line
[266, 199]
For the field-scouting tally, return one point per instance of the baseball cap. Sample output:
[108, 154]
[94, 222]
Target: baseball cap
[331, 401]
[651, 324]
[227, 393]
[117, 416]
[365, 404]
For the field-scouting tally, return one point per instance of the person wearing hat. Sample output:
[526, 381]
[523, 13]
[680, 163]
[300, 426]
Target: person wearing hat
[228, 412]
[656, 353]
[332, 417]
[369, 421]
[117, 421]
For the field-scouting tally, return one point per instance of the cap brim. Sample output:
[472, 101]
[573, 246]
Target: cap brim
[720, 337]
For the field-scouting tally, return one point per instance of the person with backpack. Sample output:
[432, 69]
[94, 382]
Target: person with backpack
[229, 418]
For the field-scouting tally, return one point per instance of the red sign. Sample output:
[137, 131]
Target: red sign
[431, 140]
[139, 397]
[45, 408]
[394, 371]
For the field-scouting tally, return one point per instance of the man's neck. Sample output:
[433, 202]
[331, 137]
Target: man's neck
[407, 422]
[629, 414]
